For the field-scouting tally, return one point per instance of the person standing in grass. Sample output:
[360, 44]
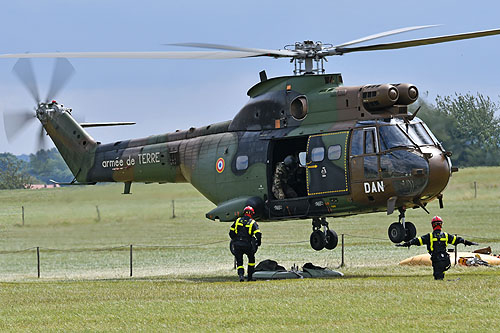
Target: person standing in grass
[437, 241]
[245, 239]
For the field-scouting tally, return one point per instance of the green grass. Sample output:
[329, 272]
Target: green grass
[183, 271]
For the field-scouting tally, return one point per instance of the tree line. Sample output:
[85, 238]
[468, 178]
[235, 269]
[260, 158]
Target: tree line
[465, 124]
[39, 168]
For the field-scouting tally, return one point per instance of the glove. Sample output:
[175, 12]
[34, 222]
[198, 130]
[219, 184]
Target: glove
[405, 244]
[258, 242]
[469, 243]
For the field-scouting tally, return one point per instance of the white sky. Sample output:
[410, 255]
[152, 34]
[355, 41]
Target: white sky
[165, 95]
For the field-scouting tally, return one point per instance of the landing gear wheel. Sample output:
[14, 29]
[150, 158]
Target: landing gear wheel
[396, 232]
[331, 240]
[318, 240]
[410, 231]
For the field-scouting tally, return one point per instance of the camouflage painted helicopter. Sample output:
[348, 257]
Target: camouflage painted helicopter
[358, 149]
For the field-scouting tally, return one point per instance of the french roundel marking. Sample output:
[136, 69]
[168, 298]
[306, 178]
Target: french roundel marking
[220, 165]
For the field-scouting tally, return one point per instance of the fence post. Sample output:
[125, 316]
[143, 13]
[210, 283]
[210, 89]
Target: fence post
[475, 190]
[23, 214]
[130, 259]
[38, 260]
[98, 213]
[173, 209]
[342, 264]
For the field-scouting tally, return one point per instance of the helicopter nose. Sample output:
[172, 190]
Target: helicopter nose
[439, 172]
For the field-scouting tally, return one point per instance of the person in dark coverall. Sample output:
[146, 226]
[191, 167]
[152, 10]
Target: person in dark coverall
[283, 175]
[245, 239]
[437, 242]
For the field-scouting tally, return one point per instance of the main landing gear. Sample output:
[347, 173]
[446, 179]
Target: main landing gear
[325, 238]
[402, 230]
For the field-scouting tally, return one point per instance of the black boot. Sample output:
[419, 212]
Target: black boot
[251, 269]
[241, 273]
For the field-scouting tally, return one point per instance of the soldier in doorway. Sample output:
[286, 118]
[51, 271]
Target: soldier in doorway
[284, 175]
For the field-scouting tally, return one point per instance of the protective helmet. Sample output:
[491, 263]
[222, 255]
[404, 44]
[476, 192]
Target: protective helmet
[290, 161]
[249, 210]
[436, 221]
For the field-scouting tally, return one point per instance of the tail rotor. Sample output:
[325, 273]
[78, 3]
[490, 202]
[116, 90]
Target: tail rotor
[15, 121]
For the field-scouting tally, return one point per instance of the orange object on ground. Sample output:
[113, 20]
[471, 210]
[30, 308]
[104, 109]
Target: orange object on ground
[425, 259]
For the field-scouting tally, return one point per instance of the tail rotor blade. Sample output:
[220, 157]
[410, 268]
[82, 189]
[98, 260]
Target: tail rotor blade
[24, 71]
[40, 144]
[63, 71]
[15, 122]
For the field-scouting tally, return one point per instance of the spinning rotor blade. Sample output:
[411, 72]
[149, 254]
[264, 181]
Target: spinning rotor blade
[63, 71]
[14, 122]
[41, 144]
[385, 34]
[140, 55]
[307, 51]
[260, 52]
[24, 72]
[418, 42]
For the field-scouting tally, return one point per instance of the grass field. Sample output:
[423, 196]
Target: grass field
[183, 271]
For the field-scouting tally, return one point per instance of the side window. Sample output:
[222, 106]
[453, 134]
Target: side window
[242, 162]
[357, 142]
[302, 158]
[318, 154]
[370, 167]
[334, 152]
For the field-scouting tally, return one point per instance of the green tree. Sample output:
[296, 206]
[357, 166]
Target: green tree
[48, 164]
[467, 126]
[13, 172]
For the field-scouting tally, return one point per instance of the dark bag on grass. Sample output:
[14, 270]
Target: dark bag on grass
[269, 265]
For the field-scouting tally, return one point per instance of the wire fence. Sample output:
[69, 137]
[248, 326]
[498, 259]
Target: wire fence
[138, 247]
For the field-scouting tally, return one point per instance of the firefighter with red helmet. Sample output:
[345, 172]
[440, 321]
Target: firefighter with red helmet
[245, 239]
[437, 241]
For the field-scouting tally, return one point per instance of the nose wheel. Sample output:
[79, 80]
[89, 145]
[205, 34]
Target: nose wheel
[321, 239]
[402, 230]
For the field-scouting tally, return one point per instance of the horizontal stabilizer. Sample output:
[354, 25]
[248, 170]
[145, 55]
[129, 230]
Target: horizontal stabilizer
[71, 183]
[119, 123]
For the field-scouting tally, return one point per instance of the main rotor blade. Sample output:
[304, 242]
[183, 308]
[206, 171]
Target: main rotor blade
[262, 52]
[418, 42]
[15, 121]
[63, 71]
[140, 55]
[24, 72]
[385, 34]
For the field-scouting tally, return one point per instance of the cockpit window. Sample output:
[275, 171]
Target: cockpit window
[418, 134]
[370, 142]
[392, 136]
[364, 141]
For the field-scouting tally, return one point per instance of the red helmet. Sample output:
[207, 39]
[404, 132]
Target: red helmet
[249, 210]
[436, 221]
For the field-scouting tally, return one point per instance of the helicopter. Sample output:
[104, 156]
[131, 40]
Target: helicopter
[355, 149]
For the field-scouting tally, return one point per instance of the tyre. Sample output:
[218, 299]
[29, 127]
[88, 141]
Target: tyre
[396, 232]
[410, 231]
[317, 240]
[331, 240]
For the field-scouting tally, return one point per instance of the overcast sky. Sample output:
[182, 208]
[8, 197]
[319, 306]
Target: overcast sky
[165, 95]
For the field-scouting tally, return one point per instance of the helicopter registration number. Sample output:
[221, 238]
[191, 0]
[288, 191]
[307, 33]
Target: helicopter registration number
[374, 187]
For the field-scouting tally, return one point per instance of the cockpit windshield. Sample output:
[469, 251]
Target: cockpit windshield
[392, 136]
[418, 134]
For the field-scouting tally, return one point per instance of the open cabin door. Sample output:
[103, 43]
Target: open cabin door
[327, 171]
